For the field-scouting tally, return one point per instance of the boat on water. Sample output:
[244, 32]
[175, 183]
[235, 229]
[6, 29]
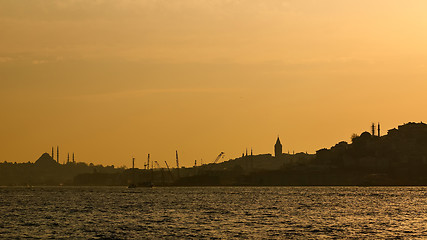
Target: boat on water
[142, 184]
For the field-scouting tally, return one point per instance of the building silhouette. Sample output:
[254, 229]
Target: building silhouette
[278, 148]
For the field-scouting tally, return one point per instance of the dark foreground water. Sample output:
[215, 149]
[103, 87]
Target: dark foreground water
[213, 212]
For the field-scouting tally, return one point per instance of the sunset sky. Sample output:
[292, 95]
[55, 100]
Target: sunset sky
[109, 80]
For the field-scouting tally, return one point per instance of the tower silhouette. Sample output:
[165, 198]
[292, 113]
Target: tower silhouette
[379, 133]
[278, 148]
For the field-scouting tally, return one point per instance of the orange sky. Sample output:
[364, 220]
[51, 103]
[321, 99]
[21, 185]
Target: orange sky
[109, 80]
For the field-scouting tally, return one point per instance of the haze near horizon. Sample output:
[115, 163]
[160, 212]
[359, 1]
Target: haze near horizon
[109, 80]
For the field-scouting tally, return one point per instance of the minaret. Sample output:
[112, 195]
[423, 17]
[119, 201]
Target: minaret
[133, 163]
[68, 157]
[278, 148]
[57, 154]
[379, 132]
[252, 153]
[73, 158]
[53, 157]
[373, 129]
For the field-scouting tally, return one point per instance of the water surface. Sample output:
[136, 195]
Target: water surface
[213, 212]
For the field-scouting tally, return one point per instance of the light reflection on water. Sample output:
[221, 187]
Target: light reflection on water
[213, 212]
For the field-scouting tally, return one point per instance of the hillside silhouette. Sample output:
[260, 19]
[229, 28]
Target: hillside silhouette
[46, 171]
[400, 157]
[397, 158]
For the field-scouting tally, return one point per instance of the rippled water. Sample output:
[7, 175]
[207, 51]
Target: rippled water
[213, 212]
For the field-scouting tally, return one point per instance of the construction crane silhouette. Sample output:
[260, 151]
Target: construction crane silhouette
[221, 155]
[170, 173]
[177, 163]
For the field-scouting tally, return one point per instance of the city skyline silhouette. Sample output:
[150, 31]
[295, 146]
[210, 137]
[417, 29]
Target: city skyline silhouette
[213, 119]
